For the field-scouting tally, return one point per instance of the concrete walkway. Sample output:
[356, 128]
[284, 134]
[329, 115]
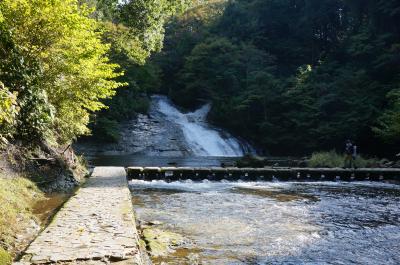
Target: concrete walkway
[96, 226]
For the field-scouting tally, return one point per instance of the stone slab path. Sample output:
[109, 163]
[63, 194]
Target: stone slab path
[96, 226]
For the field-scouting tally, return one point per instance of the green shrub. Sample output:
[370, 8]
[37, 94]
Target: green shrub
[367, 162]
[326, 159]
[333, 159]
[5, 258]
[8, 112]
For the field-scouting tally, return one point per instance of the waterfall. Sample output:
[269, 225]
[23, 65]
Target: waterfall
[202, 139]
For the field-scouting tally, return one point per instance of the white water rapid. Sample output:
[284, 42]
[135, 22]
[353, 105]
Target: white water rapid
[200, 137]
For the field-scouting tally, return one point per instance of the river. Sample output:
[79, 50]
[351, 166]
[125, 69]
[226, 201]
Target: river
[274, 222]
[247, 222]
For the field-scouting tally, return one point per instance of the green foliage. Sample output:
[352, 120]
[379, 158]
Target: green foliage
[332, 159]
[17, 197]
[326, 159]
[288, 75]
[134, 29]
[291, 75]
[389, 121]
[5, 258]
[106, 130]
[8, 112]
[124, 41]
[183, 32]
[59, 69]
[362, 162]
[60, 63]
[130, 100]
[20, 73]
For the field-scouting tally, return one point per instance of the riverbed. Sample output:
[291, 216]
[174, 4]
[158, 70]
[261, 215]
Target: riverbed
[274, 222]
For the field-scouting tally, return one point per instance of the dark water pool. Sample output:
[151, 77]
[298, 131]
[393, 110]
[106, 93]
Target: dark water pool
[159, 161]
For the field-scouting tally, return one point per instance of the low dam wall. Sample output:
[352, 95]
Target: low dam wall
[264, 174]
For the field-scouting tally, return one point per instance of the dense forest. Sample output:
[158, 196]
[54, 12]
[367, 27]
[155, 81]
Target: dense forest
[294, 76]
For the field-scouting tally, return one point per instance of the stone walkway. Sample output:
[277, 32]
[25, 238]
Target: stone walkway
[96, 226]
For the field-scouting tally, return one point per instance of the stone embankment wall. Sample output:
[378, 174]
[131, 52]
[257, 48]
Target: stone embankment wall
[96, 226]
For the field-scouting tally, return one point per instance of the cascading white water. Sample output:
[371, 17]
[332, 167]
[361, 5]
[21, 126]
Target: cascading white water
[202, 140]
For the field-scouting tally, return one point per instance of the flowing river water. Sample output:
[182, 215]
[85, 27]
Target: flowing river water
[248, 222]
[274, 222]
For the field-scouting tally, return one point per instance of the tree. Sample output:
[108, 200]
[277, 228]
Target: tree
[58, 67]
[330, 72]
[135, 29]
[389, 122]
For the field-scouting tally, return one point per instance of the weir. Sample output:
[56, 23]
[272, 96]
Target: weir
[263, 174]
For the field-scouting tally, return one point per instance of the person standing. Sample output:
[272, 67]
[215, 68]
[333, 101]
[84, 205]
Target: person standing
[354, 156]
[348, 154]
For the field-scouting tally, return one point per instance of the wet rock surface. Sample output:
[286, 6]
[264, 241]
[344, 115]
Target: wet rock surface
[96, 226]
[149, 135]
[160, 242]
[168, 132]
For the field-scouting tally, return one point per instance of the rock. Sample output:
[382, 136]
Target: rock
[155, 222]
[251, 161]
[161, 242]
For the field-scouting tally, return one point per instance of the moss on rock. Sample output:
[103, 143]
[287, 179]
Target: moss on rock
[17, 198]
[159, 242]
